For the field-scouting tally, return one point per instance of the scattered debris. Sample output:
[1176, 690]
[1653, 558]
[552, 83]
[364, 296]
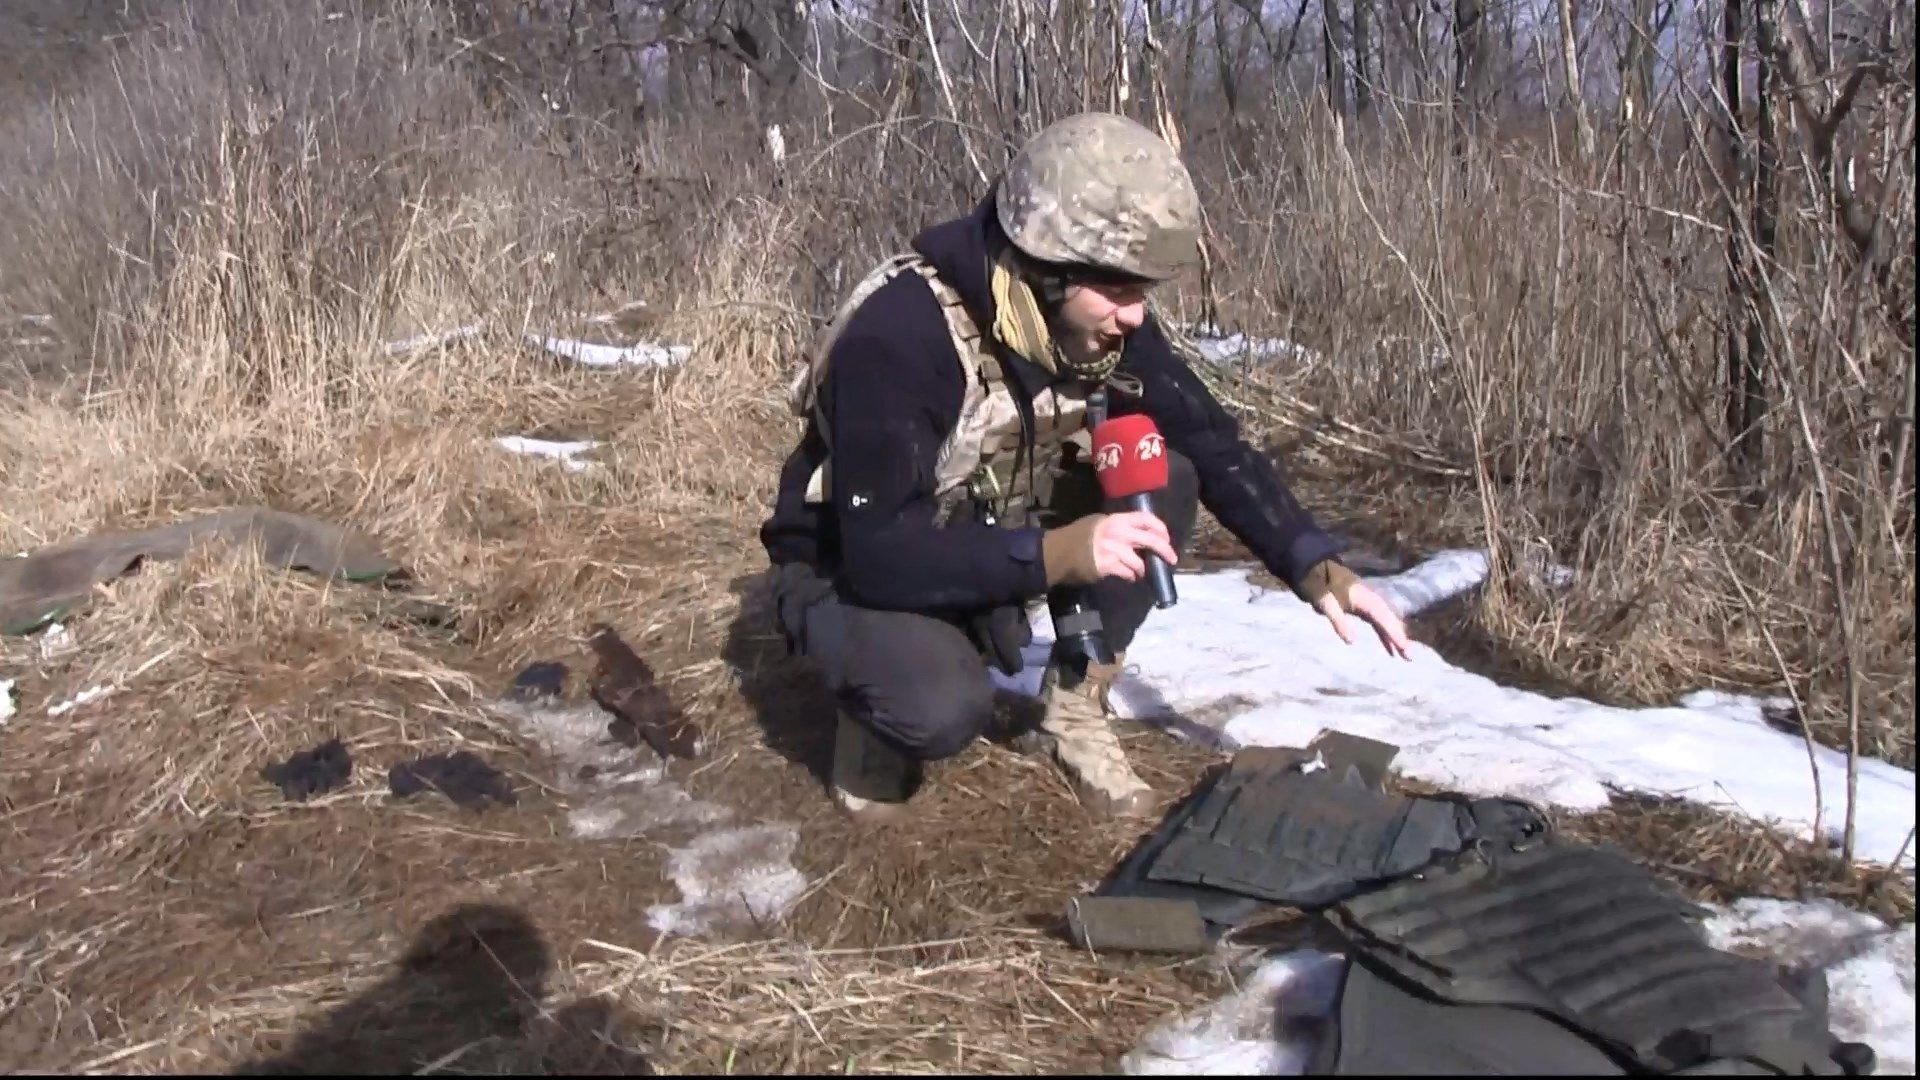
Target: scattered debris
[460, 776]
[735, 881]
[39, 588]
[644, 354]
[624, 685]
[311, 772]
[576, 737]
[541, 681]
[567, 453]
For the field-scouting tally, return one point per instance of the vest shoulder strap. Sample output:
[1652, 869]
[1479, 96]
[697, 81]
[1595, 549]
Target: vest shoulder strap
[813, 368]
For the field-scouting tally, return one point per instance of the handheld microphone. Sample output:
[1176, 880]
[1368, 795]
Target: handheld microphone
[1130, 458]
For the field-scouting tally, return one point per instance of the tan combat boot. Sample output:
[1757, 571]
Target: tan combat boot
[871, 781]
[1077, 724]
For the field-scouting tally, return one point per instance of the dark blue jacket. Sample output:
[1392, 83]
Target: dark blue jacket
[892, 394]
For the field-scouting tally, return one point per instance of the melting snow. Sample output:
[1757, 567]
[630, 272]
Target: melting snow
[55, 641]
[736, 880]
[1269, 1027]
[1226, 348]
[592, 355]
[567, 453]
[1268, 671]
[1869, 966]
[6, 699]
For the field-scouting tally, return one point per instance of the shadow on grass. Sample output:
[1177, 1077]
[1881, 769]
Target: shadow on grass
[469, 995]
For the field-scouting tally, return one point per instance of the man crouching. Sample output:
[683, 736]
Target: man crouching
[943, 479]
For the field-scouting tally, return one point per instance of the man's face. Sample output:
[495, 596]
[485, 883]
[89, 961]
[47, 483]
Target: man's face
[1097, 317]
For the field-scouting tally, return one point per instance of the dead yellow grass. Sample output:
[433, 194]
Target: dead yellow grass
[224, 262]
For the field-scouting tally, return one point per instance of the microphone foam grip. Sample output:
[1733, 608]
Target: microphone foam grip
[1129, 456]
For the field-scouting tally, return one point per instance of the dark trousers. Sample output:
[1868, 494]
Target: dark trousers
[920, 682]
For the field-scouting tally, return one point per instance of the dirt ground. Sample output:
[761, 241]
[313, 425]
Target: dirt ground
[173, 915]
[246, 932]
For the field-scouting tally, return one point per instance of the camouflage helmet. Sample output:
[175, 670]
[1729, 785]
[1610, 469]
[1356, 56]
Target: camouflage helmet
[1100, 190]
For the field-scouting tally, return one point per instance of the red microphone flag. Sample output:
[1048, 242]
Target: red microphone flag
[1129, 456]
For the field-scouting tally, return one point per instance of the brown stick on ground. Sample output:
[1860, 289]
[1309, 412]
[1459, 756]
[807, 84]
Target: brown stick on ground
[623, 684]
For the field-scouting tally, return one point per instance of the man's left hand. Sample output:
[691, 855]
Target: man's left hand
[1372, 607]
[1337, 593]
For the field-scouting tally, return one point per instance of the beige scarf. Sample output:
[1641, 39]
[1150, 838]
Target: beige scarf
[1019, 324]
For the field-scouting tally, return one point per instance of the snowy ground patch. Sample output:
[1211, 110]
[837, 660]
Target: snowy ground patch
[1869, 966]
[644, 354]
[734, 881]
[6, 700]
[1269, 1027]
[1221, 348]
[1284, 677]
[566, 453]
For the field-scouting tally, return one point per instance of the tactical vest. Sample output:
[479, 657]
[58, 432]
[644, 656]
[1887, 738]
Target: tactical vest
[979, 457]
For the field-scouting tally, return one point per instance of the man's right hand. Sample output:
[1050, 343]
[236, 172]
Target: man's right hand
[1105, 545]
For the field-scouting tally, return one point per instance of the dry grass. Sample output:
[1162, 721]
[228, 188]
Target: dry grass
[224, 228]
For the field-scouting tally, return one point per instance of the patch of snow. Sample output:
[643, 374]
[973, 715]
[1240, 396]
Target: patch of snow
[576, 736]
[737, 880]
[1869, 966]
[564, 452]
[6, 700]
[1271, 1026]
[592, 355]
[1440, 578]
[1220, 348]
[637, 808]
[1273, 673]
[1456, 572]
[55, 641]
[427, 341]
[621, 792]
[85, 697]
